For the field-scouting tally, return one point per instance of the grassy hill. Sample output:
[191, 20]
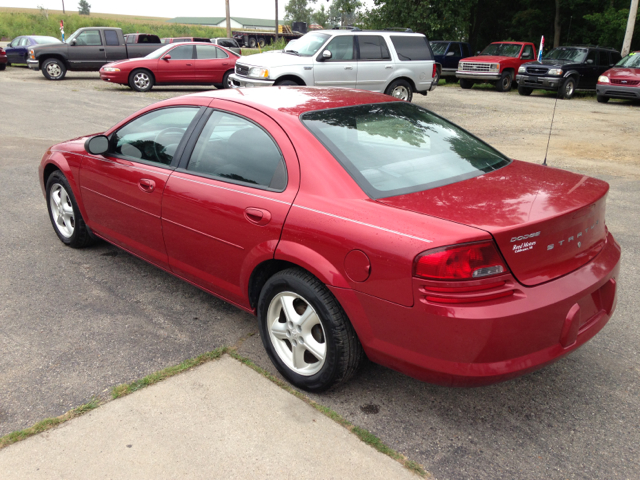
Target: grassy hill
[29, 21]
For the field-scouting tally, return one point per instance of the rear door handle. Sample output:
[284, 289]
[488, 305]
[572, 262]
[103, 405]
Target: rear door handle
[101, 49]
[146, 185]
[189, 64]
[257, 216]
[348, 68]
[390, 67]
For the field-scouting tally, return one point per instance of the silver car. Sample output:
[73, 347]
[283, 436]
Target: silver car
[396, 63]
[228, 43]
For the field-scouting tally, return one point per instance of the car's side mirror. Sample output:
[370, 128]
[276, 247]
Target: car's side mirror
[326, 55]
[167, 57]
[478, 52]
[98, 145]
[590, 62]
[450, 54]
[10, 45]
[73, 42]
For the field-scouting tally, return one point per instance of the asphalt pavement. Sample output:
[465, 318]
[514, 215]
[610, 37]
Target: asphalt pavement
[74, 323]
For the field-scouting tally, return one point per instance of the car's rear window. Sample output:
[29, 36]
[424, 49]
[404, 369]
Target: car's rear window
[398, 148]
[412, 48]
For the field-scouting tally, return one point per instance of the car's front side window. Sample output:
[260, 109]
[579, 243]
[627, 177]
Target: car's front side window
[153, 137]
[232, 148]
[89, 38]
[183, 52]
[341, 48]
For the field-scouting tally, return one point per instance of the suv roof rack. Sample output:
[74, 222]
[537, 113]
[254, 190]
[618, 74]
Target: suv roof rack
[398, 29]
[347, 27]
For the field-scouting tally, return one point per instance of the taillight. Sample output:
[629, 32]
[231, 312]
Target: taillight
[435, 71]
[472, 261]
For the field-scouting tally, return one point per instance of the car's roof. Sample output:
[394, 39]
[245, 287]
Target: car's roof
[295, 101]
[367, 32]
[510, 41]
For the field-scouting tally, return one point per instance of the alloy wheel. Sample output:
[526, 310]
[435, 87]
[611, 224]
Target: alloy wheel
[54, 70]
[62, 210]
[400, 92]
[141, 81]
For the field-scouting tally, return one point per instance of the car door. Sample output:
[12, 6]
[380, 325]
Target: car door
[113, 49]
[88, 51]
[375, 68]
[341, 69]
[17, 53]
[177, 66]
[211, 64]
[452, 57]
[122, 190]
[224, 207]
[590, 76]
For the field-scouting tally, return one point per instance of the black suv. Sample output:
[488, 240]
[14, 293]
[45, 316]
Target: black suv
[567, 69]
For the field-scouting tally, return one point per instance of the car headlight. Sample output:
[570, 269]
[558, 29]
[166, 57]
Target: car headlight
[110, 69]
[495, 67]
[522, 69]
[603, 79]
[555, 71]
[259, 72]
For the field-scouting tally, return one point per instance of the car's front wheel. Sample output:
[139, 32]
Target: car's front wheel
[3, 66]
[525, 91]
[505, 82]
[64, 213]
[602, 99]
[400, 89]
[466, 84]
[53, 69]
[141, 80]
[568, 89]
[306, 332]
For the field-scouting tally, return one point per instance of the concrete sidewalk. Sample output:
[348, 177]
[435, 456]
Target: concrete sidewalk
[219, 420]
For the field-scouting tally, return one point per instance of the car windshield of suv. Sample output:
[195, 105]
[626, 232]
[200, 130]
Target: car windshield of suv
[576, 55]
[439, 48]
[502, 50]
[397, 148]
[308, 45]
[161, 51]
[630, 61]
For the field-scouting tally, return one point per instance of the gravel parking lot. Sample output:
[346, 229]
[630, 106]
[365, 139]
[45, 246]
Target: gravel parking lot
[74, 323]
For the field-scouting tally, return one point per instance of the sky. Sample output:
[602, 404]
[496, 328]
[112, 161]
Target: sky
[170, 8]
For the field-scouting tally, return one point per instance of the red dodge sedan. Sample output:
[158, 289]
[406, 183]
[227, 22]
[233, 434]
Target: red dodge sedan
[351, 224]
[175, 64]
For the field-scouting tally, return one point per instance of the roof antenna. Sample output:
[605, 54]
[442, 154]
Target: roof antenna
[551, 127]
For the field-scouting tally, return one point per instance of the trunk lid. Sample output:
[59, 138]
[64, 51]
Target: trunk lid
[546, 222]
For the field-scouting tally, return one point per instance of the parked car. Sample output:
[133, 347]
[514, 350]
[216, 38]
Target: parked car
[174, 64]
[228, 43]
[184, 39]
[448, 54]
[496, 64]
[350, 223]
[141, 38]
[87, 49]
[621, 81]
[18, 49]
[566, 69]
[395, 63]
[3, 59]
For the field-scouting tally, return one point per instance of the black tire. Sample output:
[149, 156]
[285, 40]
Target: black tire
[525, 91]
[80, 236]
[568, 89]
[602, 99]
[284, 83]
[141, 80]
[3, 66]
[466, 84]
[226, 81]
[252, 42]
[261, 42]
[53, 69]
[451, 79]
[400, 89]
[505, 83]
[343, 351]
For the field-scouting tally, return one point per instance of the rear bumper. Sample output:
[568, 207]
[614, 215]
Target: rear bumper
[482, 76]
[33, 64]
[488, 342]
[615, 91]
[546, 83]
[246, 82]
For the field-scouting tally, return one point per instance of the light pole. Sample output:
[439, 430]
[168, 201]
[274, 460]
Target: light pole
[63, 12]
[626, 45]
[226, 4]
[276, 20]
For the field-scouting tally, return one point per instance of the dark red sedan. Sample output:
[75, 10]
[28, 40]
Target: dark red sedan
[175, 64]
[3, 59]
[350, 223]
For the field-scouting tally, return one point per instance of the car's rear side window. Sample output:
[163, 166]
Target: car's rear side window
[111, 37]
[412, 48]
[397, 148]
[373, 47]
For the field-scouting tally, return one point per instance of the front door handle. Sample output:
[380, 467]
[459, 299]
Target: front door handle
[258, 216]
[348, 68]
[146, 185]
[101, 49]
[189, 64]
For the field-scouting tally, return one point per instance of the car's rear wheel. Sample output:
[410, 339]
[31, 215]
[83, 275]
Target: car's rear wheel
[3, 66]
[53, 69]
[567, 89]
[602, 99]
[141, 80]
[466, 84]
[525, 91]
[226, 81]
[261, 42]
[505, 82]
[400, 89]
[252, 42]
[64, 213]
[306, 332]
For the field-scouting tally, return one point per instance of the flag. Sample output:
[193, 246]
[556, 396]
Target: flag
[540, 49]
[62, 29]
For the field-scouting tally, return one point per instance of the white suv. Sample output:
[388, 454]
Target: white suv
[396, 63]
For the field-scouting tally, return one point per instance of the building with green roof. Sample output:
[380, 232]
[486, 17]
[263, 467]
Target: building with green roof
[236, 22]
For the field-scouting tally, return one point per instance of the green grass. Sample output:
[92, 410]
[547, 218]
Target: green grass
[279, 45]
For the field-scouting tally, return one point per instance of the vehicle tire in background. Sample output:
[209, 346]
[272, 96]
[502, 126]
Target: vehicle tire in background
[53, 69]
[525, 91]
[466, 84]
[3, 66]
[252, 42]
[64, 213]
[505, 82]
[141, 80]
[568, 89]
[261, 42]
[306, 332]
[400, 89]
[226, 81]
[602, 99]
[284, 83]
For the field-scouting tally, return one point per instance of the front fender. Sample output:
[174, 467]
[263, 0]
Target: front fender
[70, 168]
[312, 261]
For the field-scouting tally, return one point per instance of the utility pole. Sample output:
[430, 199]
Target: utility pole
[63, 12]
[226, 4]
[633, 11]
[276, 20]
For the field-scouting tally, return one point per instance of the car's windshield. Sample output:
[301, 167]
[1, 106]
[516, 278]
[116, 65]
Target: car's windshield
[161, 51]
[502, 49]
[46, 40]
[630, 61]
[576, 55]
[308, 45]
[397, 148]
[439, 48]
